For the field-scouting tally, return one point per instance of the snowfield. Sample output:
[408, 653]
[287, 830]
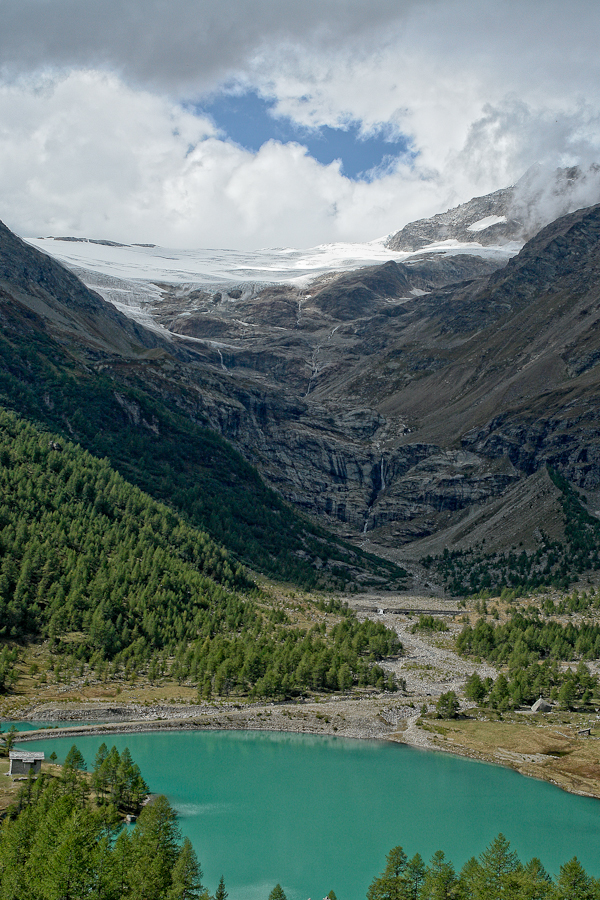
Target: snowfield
[222, 268]
[482, 224]
[131, 276]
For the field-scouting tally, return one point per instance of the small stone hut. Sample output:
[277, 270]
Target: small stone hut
[22, 762]
[541, 705]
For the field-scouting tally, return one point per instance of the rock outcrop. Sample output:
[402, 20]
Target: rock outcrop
[486, 220]
[393, 410]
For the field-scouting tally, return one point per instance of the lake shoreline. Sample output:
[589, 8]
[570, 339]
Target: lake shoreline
[323, 790]
[381, 718]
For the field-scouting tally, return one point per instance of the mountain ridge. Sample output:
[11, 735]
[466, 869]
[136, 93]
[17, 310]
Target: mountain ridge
[112, 395]
[393, 401]
[511, 215]
[65, 306]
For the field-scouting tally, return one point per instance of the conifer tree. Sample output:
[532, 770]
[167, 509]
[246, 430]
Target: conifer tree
[440, 882]
[155, 850]
[221, 893]
[74, 760]
[187, 875]
[391, 884]
[277, 893]
[574, 883]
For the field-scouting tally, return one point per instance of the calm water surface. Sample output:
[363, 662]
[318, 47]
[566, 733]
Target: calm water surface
[316, 813]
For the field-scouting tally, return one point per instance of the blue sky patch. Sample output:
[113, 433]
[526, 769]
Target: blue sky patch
[246, 119]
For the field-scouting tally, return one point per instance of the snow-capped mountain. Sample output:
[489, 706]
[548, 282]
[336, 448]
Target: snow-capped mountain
[507, 217]
[133, 276]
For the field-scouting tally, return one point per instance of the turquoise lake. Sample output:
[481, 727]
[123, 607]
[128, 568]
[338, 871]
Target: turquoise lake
[320, 813]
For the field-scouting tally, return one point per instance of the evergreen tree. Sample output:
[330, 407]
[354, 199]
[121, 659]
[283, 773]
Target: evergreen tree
[154, 851]
[187, 875]
[567, 693]
[535, 883]
[74, 760]
[99, 773]
[440, 882]
[414, 876]
[475, 688]
[277, 893]
[69, 868]
[499, 871]
[221, 893]
[574, 883]
[469, 878]
[392, 883]
[120, 867]
[9, 739]
[447, 706]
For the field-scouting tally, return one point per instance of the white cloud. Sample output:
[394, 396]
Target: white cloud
[87, 156]
[94, 139]
[444, 69]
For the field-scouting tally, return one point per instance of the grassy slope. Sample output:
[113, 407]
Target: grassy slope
[546, 747]
[555, 563]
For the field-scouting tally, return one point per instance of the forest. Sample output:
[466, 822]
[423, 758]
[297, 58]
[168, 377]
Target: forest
[65, 838]
[120, 584]
[498, 874]
[531, 648]
[177, 460]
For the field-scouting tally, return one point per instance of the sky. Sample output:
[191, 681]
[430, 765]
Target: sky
[273, 123]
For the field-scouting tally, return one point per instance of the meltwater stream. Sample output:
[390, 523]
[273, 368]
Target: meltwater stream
[320, 813]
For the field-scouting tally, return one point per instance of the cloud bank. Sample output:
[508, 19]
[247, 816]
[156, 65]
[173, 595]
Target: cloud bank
[98, 135]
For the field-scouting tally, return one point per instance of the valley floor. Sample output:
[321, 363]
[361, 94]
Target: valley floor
[543, 746]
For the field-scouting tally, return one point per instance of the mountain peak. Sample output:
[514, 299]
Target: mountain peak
[511, 214]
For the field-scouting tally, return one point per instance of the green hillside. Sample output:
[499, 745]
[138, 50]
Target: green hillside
[178, 462]
[120, 583]
[510, 574]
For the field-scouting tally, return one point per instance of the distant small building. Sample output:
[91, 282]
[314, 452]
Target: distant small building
[541, 705]
[22, 762]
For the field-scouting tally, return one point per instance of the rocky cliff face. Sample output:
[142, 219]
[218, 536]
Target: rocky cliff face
[280, 374]
[399, 401]
[394, 409]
